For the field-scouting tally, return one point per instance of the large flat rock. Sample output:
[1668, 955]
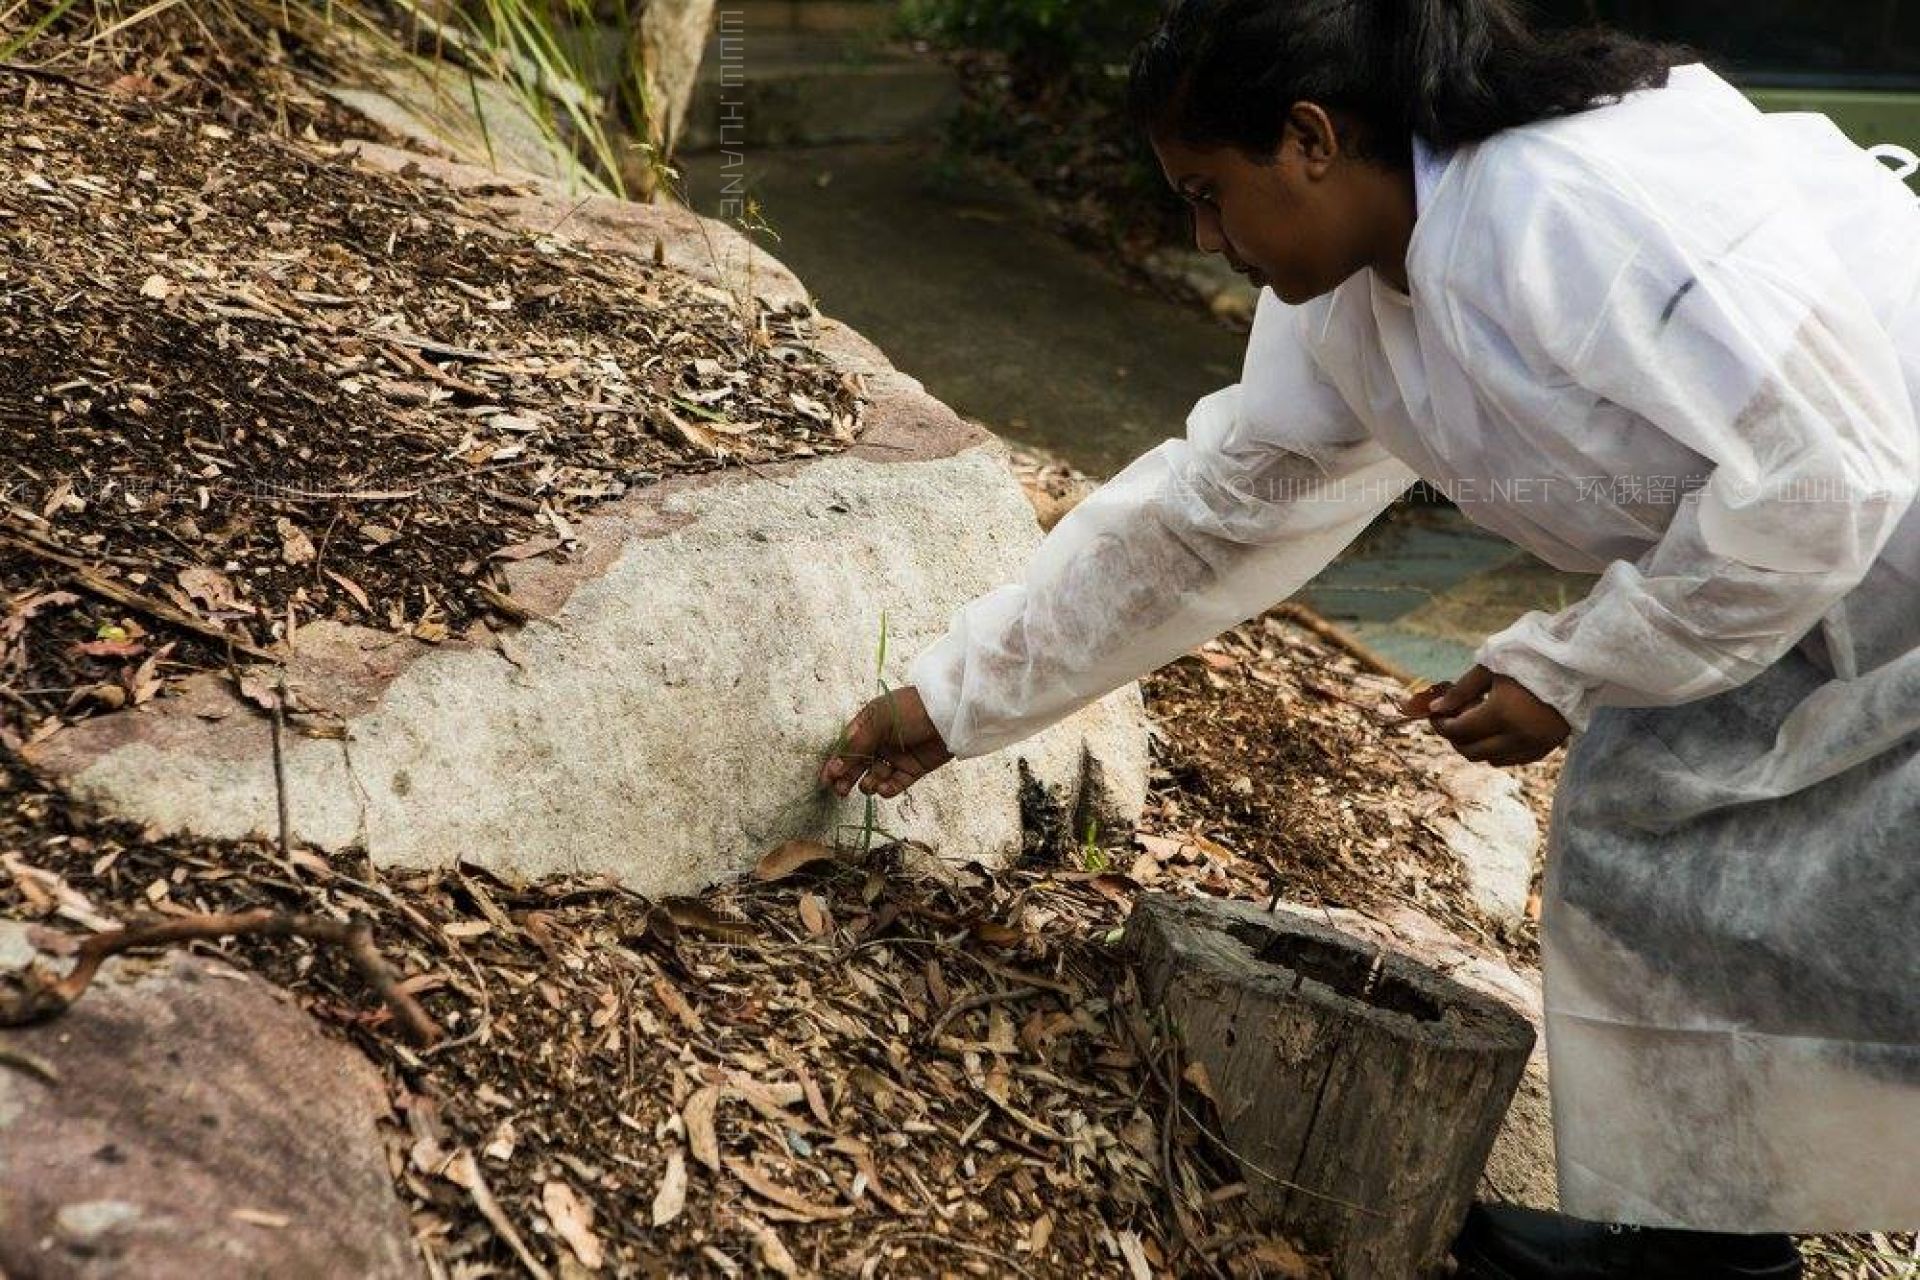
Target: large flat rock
[183, 1120]
[665, 720]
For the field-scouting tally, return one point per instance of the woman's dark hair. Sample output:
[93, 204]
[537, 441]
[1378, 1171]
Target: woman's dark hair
[1219, 72]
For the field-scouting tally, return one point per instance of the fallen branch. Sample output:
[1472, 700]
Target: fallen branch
[52, 77]
[959, 1007]
[36, 995]
[31, 1064]
[433, 372]
[83, 577]
[506, 605]
[464, 1171]
[1307, 620]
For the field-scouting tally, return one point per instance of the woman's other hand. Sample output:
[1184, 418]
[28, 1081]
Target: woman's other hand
[1495, 720]
[890, 745]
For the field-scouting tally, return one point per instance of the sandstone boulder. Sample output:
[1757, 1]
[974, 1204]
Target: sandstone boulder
[1487, 824]
[184, 1120]
[1495, 835]
[665, 719]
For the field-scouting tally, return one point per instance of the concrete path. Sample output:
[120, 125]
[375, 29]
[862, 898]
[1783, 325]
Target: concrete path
[1425, 587]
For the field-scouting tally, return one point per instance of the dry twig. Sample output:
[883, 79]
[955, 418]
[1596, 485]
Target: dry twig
[1307, 620]
[83, 577]
[37, 996]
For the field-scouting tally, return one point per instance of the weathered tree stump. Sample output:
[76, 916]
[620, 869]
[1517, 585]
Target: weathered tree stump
[1360, 1090]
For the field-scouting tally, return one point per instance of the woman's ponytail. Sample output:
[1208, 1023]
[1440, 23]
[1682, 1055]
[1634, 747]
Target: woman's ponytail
[1447, 50]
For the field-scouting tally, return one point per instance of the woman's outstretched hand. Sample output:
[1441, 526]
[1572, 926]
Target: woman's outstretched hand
[890, 745]
[1493, 719]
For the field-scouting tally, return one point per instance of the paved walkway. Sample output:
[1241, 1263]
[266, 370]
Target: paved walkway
[961, 282]
[1425, 587]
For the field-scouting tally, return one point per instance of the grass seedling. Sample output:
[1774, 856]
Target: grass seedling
[32, 33]
[1093, 858]
[893, 719]
[480, 117]
[869, 826]
[750, 222]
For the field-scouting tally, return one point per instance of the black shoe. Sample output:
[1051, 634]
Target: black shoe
[1504, 1242]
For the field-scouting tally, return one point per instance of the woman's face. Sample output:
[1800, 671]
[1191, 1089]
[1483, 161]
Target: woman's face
[1300, 221]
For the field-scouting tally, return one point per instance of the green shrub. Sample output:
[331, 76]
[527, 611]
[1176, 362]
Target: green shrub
[1041, 38]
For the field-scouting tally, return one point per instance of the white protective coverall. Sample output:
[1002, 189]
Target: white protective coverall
[1676, 342]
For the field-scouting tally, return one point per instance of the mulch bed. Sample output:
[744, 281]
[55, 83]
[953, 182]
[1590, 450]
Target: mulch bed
[248, 385]
[1292, 754]
[852, 1064]
[864, 1067]
[848, 1064]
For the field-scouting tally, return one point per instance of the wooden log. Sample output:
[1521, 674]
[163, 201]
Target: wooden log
[1360, 1090]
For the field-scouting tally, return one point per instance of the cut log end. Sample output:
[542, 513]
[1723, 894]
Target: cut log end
[1360, 1090]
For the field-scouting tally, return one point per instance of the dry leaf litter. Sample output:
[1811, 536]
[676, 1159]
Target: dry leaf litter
[849, 1064]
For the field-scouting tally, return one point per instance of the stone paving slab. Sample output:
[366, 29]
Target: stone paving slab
[1426, 587]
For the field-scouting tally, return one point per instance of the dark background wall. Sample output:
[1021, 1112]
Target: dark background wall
[1865, 44]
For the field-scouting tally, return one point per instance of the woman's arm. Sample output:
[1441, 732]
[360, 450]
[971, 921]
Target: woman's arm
[1274, 477]
[1744, 340]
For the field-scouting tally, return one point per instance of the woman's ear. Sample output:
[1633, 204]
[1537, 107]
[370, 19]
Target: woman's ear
[1314, 137]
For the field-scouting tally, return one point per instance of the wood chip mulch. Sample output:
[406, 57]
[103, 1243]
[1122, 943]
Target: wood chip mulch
[1294, 756]
[850, 1064]
[247, 385]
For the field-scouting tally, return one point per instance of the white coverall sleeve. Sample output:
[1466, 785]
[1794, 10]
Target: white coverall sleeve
[1274, 477]
[1754, 351]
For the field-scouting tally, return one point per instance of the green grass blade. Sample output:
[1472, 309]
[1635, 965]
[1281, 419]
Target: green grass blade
[480, 117]
[34, 32]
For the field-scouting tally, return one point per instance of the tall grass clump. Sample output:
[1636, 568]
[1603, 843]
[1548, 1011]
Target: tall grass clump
[538, 50]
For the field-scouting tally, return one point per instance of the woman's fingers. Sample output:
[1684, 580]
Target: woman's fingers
[1466, 691]
[1419, 705]
[890, 745]
[897, 770]
[1526, 753]
[871, 759]
[902, 774]
[889, 770]
[845, 767]
[1498, 750]
[1480, 721]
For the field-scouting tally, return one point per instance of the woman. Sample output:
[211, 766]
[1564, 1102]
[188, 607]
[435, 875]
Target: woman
[1643, 331]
